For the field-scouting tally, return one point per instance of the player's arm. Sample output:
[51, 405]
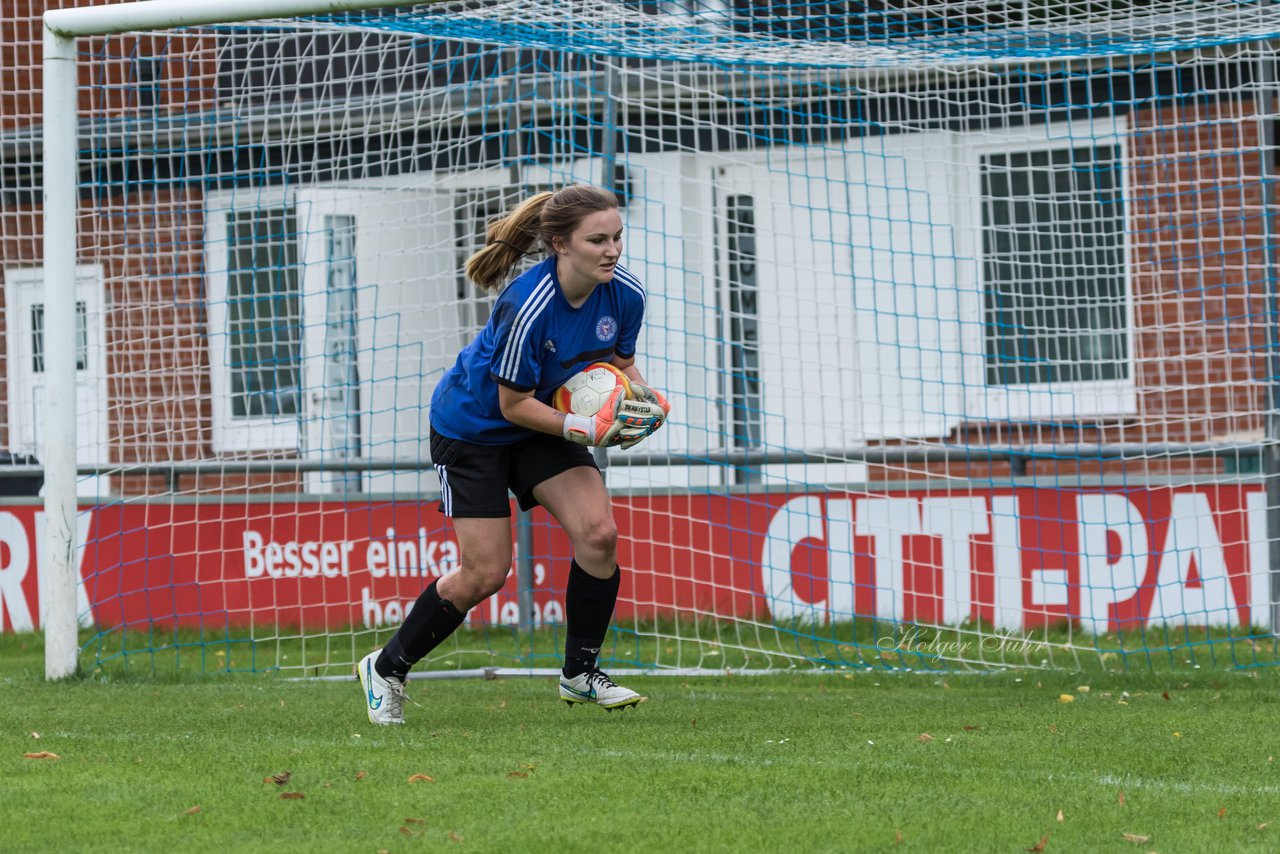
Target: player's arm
[628, 367]
[525, 410]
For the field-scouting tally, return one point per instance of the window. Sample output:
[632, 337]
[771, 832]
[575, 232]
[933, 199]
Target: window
[37, 337]
[1053, 260]
[255, 324]
[474, 209]
[263, 324]
[744, 327]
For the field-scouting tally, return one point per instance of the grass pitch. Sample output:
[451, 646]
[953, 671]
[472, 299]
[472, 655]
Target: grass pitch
[845, 761]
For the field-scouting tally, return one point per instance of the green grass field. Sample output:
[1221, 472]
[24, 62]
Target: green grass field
[844, 761]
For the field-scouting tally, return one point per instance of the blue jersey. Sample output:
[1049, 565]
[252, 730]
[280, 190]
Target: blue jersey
[534, 341]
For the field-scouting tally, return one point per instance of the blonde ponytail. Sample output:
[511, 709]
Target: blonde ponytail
[507, 240]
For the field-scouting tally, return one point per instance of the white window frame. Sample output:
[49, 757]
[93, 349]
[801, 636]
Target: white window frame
[1066, 401]
[231, 434]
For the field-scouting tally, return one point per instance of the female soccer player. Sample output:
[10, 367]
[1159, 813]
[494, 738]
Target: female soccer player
[492, 430]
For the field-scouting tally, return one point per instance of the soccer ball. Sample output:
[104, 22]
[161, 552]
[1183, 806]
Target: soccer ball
[586, 391]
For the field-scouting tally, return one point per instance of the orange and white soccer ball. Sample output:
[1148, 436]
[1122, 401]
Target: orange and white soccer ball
[586, 391]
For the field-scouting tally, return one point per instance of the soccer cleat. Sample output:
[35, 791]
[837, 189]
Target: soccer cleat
[383, 697]
[595, 686]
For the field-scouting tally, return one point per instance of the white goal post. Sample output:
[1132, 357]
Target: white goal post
[61, 29]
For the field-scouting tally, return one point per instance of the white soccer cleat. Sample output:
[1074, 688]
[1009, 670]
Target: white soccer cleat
[596, 687]
[383, 698]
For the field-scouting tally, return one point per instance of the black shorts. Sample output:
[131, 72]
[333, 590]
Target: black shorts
[474, 479]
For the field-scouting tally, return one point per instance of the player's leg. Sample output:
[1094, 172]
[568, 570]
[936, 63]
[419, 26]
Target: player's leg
[474, 495]
[576, 497]
[484, 552]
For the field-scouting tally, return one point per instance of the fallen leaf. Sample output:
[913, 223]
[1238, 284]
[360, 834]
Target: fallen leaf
[453, 837]
[326, 785]
[406, 831]
[43, 754]
[35, 735]
[291, 796]
[502, 705]
[924, 737]
[1120, 798]
[1222, 811]
[360, 775]
[519, 774]
[1060, 817]
[279, 779]
[1039, 846]
[421, 778]
[192, 811]
[1165, 694]
[970, 727]
[1082, 689]
[1052, 728]
[1066, 698]
[897, 837]
[694, 723]
[415, 821]
[1136, 838]
[1263, 826]
[529, 767]
[1177, 735]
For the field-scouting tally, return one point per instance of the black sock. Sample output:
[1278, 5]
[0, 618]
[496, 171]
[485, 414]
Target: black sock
[588, 604]
[430, 621]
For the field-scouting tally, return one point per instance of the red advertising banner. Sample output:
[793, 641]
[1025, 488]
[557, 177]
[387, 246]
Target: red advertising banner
[1017, 558]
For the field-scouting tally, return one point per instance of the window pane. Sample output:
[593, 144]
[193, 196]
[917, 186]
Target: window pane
[1053, 260]
[262, 309]
[37, 337]
[744, 323]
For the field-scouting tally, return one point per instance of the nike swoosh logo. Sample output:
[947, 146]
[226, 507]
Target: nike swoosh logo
[375, 703]
[590, 695]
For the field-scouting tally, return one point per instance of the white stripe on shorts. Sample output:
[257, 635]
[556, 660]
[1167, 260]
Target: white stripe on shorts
[446, 494]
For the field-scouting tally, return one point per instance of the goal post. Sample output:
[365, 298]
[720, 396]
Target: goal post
[61, 29]
[967, 313]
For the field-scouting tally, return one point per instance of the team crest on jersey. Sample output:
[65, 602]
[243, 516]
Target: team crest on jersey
[606, 328]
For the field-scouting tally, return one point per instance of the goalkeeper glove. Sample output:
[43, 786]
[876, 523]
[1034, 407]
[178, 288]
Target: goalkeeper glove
[655, 407]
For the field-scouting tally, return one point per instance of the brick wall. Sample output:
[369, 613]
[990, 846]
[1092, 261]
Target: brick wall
[149, 243]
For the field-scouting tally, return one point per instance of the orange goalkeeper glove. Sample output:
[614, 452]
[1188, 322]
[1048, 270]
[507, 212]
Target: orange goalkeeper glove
[654, 407]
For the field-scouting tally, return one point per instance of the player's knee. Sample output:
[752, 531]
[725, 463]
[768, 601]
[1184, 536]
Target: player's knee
[600, 539]
[491, 579]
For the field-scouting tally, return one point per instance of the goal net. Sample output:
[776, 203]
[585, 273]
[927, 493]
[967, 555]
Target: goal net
[966, 312]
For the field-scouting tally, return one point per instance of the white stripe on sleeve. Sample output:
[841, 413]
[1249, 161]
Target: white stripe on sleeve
[519, 334]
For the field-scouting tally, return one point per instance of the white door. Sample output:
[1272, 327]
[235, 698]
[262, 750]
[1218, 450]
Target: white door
[24, 314]
[378, 302]
[786, 306]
